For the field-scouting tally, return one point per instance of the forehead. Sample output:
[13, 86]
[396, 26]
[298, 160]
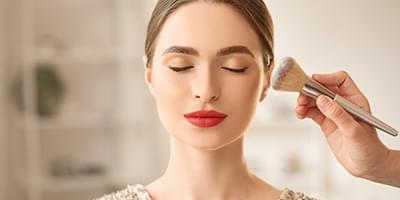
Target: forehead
[207, 27]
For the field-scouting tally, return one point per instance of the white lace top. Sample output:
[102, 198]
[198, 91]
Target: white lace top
[138, 192]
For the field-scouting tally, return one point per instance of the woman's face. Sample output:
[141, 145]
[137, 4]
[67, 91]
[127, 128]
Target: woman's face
[207, 57]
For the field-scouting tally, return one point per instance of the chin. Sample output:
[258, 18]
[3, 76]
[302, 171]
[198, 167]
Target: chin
[208, 142]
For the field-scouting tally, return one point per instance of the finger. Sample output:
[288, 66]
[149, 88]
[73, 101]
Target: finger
[342, 84]
[301, 111]
[304, 104]
[341, 80]
[303, 100]
[333, 111]
[313, 113]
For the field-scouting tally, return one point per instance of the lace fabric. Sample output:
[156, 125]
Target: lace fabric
[138, 192]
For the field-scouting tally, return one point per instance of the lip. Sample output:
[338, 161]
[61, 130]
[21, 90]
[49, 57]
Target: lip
[205, 118]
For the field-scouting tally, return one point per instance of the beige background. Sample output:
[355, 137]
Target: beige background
[359, 36]
[3, 149]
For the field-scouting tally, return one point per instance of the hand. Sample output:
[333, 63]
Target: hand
[354, 143]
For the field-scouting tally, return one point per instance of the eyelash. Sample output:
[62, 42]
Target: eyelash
[180, 69]
[242, 70]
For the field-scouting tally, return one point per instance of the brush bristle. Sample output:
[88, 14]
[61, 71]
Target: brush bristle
[288, 76]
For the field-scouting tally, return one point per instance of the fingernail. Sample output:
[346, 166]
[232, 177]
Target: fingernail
[316, 75]
[324, 101]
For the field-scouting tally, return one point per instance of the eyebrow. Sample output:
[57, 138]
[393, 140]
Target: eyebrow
[233, 50]
[181, 50]
[222, 52]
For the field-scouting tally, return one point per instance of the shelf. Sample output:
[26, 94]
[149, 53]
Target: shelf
[90, 58]
[74, 183]
[93, 124]
[82, 123]
[66, 183]
[70, 123]
[98, 65]
[282, 126]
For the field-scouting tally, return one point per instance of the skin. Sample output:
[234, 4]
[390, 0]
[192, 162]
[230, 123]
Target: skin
[355, 144]
[207, 163]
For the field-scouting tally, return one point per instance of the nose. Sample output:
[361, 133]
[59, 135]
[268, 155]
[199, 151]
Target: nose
[206, 99]
[206, 89]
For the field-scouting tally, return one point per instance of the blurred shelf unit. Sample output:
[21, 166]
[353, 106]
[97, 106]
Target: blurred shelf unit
[283, 126]
[289, 153]
[72, 60]
[61, 184]
[83, 182]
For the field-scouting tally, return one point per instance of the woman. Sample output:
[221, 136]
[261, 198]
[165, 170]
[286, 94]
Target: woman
[208, 65]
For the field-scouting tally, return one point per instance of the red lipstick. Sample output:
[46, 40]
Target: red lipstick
[205, 118]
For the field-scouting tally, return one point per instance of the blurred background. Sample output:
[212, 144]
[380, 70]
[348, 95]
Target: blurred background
[77, 121]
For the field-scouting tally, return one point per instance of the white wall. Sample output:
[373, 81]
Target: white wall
[359, 36]
[2, 111]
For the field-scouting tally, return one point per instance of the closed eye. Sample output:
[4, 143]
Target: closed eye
[242, 70]
[180, 69]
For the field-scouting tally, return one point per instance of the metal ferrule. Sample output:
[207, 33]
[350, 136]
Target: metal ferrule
[314, 89]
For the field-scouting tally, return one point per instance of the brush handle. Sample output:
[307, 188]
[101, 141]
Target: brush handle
[361, 114]
[314, 89]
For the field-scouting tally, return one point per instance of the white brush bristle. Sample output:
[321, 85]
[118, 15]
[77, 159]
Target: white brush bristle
[288, 76]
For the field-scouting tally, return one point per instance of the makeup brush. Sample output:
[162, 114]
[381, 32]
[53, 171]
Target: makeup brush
[289, 76]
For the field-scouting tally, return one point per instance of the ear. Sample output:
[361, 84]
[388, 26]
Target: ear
[266, 84]
[264, 90]
[147, 75]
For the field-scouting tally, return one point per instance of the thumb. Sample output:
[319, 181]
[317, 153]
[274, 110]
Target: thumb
[333, 111]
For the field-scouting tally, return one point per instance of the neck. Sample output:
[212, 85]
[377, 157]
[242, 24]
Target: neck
[203, 174]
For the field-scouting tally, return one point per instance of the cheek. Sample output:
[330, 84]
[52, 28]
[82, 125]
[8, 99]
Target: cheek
[170, 94]
[245, 92]
[243, 97]
[167, 86]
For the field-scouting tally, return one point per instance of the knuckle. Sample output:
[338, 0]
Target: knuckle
[357, 173]
[366, 101]
[343, 73]
[360, 171]
[335, 111]
[353, 131]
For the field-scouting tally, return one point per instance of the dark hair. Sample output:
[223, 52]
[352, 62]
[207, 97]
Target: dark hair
[255, 11]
